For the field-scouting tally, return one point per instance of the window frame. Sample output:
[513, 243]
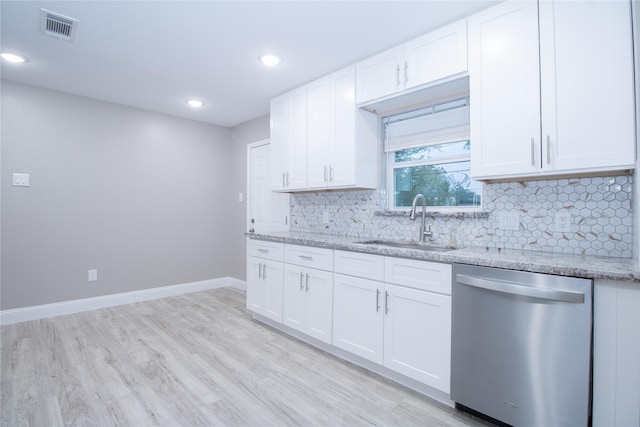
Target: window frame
[391, 165]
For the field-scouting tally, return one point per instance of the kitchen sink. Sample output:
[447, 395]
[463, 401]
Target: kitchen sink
[408, 245]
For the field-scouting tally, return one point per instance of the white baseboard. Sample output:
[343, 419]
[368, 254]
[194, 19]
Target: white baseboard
[35, 312]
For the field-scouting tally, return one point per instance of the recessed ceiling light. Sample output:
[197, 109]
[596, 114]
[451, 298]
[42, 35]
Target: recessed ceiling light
[16, 59]
[269, 60]
[195, 103]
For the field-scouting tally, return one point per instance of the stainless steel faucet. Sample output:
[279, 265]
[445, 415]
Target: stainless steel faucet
[424, 232]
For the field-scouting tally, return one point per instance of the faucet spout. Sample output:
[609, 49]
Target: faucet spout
[424, 233]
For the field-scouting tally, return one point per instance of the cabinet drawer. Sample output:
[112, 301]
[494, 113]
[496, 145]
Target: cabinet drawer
[306, 256]
[266, 250]
[360, 265]
[425, 275]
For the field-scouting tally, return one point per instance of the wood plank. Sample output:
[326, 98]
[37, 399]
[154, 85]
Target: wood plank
[195, 359]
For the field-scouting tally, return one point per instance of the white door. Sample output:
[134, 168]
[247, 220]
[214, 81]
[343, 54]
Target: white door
[437, 55]
[380, 75]
[586, 62]
[266, 210]
[319, 304]
[342, 172]
[505, 91]
[417, 335]
[273, 276]
[319, 136]
[358, 316]
[295, 296]
[255, 285]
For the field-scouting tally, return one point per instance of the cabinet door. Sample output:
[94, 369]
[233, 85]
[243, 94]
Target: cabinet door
[342, 171]
[298, 175]
[319, 138]
[504, 86]
[319, 304]
[379, 75]
[255, 285]
[295, 289]
[288, 124]
[417, 335]
[272, 276]
[437, 55]
[280, 124]
[586, 62]
[358, 316]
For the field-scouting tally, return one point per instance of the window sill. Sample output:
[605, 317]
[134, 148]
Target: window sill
[433, 214]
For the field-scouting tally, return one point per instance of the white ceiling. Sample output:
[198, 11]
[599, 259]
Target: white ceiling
[156, 54]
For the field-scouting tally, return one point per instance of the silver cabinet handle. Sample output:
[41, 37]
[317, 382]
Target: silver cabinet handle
[386, 302]
[264, 251]
[515, 289]
[330, 173]
[533, 152]
[287, 179]
[377, 300]
[548, 149]
[301, 279]
[398, 75]
[264, 271]
[284, 182]
[305, 257]
[307, 284]
[260, 271]
[325, 175]
[406, 72]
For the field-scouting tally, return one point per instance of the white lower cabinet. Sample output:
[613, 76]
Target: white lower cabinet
[308, 291]
[308, 300]
[265, 273]
[405, 327]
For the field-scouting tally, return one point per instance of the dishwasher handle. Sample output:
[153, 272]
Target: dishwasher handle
[510, 288]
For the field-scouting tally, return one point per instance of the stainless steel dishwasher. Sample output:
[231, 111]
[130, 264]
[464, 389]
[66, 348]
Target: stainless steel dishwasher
[521, 346]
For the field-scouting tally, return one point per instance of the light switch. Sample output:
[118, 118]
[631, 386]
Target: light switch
[21, 179]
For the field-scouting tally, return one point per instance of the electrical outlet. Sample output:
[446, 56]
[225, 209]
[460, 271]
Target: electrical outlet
[509, 221]
[93, 275]
[563, 221]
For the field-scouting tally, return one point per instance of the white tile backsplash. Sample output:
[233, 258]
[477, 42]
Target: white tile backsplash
[600, 209]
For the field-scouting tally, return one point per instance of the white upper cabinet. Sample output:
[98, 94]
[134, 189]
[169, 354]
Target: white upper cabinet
[554, 101]
[288, 122]
[334, 145]
[434, 56]
[341, 140]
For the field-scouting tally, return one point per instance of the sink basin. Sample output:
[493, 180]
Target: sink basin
[408, 245]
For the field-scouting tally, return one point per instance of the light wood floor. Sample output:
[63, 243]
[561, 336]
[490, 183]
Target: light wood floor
[195, 359]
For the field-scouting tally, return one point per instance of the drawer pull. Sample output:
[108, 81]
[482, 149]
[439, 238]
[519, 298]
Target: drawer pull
[305, 257]
[264, 251]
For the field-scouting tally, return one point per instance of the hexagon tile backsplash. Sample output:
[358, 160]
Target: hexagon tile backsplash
[600, 209]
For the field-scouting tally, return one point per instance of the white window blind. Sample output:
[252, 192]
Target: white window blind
[436, 125]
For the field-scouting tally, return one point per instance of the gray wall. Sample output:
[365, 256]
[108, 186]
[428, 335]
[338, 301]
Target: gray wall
[140, 196]
[243, 134]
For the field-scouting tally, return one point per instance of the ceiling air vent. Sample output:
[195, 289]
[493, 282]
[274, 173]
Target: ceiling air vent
[58, 26]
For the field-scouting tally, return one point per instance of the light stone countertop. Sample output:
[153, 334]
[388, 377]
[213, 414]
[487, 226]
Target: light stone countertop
[594, 267]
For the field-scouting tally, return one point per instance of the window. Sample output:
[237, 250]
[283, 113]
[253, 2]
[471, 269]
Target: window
[429, 153]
